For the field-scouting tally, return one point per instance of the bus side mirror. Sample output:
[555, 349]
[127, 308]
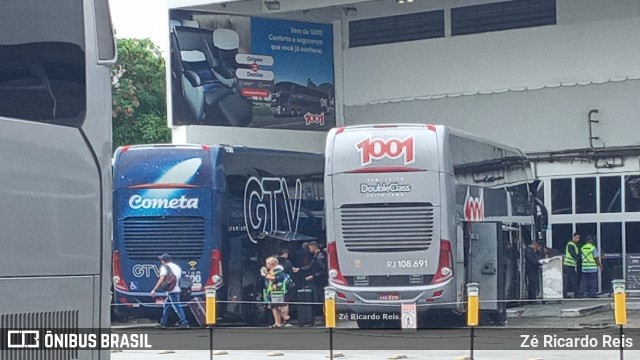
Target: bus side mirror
[541, 216]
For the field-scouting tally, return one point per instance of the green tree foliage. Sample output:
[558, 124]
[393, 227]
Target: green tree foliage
[139, 98]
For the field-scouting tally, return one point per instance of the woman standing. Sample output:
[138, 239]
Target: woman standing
[275, 291]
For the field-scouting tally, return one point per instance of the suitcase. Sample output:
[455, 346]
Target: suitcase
[305, 311]
[196, 306]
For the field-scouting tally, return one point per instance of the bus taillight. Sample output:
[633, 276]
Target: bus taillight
[445, 263]
[215, 270]
[334, 268]
[118, 282]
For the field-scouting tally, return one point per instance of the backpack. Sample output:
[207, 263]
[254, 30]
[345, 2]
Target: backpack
[169, 280]
[289, 281]
[185, 283]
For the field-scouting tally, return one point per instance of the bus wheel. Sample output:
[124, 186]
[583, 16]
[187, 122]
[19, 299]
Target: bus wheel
[119, 314]
[299, 112]
[293, 112]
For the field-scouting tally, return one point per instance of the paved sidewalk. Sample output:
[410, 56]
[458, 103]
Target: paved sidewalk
[375, 355]
[561, 308]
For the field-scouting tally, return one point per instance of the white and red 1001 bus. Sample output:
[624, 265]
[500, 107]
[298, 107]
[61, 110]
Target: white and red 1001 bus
[406, 205]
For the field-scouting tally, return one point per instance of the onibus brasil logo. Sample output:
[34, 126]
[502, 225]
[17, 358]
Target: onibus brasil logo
[64, 339]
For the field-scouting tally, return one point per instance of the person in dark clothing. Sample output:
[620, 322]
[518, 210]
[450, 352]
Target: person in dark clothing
[510, 261]
[532, 269]
[301, 256]
[318, 273]
[570, 266]
[283, 260]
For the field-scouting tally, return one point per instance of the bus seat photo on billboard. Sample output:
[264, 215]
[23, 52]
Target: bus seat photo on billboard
[251, 72]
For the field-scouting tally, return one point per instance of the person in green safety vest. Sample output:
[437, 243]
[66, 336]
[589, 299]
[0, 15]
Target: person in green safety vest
[275, 291]
[570, 266]
[590, 264]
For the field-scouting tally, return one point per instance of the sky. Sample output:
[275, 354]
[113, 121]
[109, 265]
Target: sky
[141, 19]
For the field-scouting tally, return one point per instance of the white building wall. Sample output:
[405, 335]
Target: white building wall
[536, 120]
[592, 41]
[531, 88]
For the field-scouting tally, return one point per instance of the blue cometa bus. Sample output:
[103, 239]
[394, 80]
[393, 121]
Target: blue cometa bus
[219, 211]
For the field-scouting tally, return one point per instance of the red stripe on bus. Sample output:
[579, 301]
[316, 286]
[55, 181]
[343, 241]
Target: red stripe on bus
[383, 169]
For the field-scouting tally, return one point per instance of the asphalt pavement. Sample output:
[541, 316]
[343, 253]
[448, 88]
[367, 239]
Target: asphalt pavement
[560, 320]
[375, 355]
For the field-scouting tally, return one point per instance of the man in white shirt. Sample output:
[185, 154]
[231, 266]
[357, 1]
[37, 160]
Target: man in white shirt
[173, 296]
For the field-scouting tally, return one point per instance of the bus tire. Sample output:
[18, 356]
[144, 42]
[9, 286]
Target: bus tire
[293, 112]
[118, 314]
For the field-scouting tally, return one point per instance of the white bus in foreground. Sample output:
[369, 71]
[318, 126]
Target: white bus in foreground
[55, 151]
[414, 212]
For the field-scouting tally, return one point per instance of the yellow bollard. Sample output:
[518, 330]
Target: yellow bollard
[619, 302]
[472, 304]
[210, 293]
[620, 310]
[330, 315]
[330, 307]
[473, 292]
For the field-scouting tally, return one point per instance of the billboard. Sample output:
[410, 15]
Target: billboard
[243, 71]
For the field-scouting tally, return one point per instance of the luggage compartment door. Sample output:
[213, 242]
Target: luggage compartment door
[485, 266]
